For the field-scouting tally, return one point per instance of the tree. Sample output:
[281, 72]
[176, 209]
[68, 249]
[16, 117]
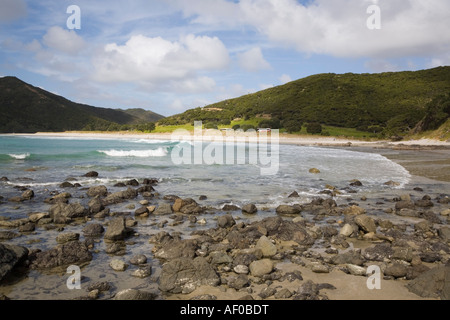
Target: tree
[292, 125]
[314, 128]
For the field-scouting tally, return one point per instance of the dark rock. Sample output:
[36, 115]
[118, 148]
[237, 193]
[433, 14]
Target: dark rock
[396, 270]
[148, 181]
[230, 207]
[163, 209]
[177, 249]
[202, 197]
[294, 195]
[141, 211]
[349, 257]
[267, 292]
[239, 282]
[287, 210]
[184, 275]
[100, 286]
[99, 191]
[225, 221]
[424, 203]
[431, 216]
[444, 233]
[249, 208]
[93, 230]
[378, 253]
[73, 252]
[308, 291]
[434, 283]
[67, 237]
[430, 257]
[147, 189]
[27, 227]
[4, 179]
[8, 235]
[246, 258]
[28, 194]
[117, 230]
[404, 204]
[132, 182]
[292, 276]
[95, 205]
[66, 184]
[91, 174]
[10, 257]
[138, 259]
[356, 183]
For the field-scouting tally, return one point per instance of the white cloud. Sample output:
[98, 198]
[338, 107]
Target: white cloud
[285, 78]
[66, 41]
[253, 60]
[156, 62]
[12, 10]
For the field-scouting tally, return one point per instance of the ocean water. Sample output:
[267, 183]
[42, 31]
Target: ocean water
[43, 163]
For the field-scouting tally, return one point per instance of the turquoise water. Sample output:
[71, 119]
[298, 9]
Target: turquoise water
[43, 163]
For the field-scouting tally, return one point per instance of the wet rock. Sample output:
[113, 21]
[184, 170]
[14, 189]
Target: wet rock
[396, 270]
[184, 275]
[287, 210]
[67, 237]
[405, 204]
[27, 227]
[133, 294]
[354, 210]
[405, 212]
[10, 257]
[431, 217]
[180, 203]
[117, 230]
[91, 174]
[101, 286]
[138, 259]
[434, 283]
[8, 235]
[366, 223]
[177, 249]
[14, 223]
[356, 183]
[66, 184]
[261, 267]
[73, 252]
[349, 257]
[226, 221]
[284, 230]
[93, 230]
[347, 230]
[64, 213]
[378, 252]
[230, 207]
[444, 233]
[294, 195]
[118, 265]
[308, 291]
[132, 182]
[95, 206]
[27, 194]
[142, 211]
[120, 196]
[97, 191]
[424, 203]
[314, 171]
[142, 272]
[392, 183]
[163, 209]
[249, 209]
[61, 197]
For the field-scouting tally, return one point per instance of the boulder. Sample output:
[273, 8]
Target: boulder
[354, 210]
[396, 270]
[138, 259]
[294, 195]
[434, 283]
[260, 268]
[350, 257]
[230, 207]
[444, 233]
[314, 171]
[184, 275]
[177, 249]
[117, 230]
[10, 257]
[95, 205]
[347, 230]
[67, 237]
[120, 196]
[64, 213]
[163, 209]
[93, 230]
[27, 194]
[118, 265]
[73, 252]
[405, 204]
[249, 208]
[142, 211]
[226, 221]
[366, 223]
[91, 174]
[405, 212]
[134, 294]
[99, 191]
[379, 252]
[287, 210]
[266, 246]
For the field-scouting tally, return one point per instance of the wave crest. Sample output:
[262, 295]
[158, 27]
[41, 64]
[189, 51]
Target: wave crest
[160, 152]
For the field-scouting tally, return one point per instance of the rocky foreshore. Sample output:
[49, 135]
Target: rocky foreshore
[298, 251]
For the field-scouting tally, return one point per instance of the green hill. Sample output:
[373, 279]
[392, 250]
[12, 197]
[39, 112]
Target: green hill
[391, 103]
[25, 109]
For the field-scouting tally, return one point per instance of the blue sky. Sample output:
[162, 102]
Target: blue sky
[172, 55]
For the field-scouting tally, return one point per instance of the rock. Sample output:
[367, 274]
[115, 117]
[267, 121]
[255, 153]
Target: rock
[402, 253]
[66, 237]
[294, 195]
[177, 249]
[424, 203]
[133, 294]
[163, 209]
[73, 252]
[61, 197]
[64, 213]
[138, 259]
[118, 265]
[132, 182]
[283, 294]
[378, 252]
[239, 282]
[91, 174]
[28, 227]
[392, 183]
[219, 257]
[354, 210]
[142, 272]
[396, 270]
[261, 267]
[226, 221]
[14, 223]
[308, 291]
[120, 196]
[180, 203]
[408, 213]
[117, 230]
[349, 257]
[444, 233]
[241, 269]
[267, 292]
[356, 183]
[184, 275]
[97, 191]
[230, 207]
[431, 217]
[346, 230]
[93, 230]
[35, 217]
[366, 223]
[100, 286]
[356, 270]
[10, 257]
[27, 194]
[8, 235]
[430, 257]
[434, 283]
[318, 267]
[287, 210]
[266, 246]
[405, 204]
[249, 209]
[445, 213]
[66, 184]
[422, 226]
[142, 211]
[314, 171]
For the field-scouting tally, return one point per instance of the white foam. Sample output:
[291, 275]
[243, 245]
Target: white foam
[21, 156]
[160, 152]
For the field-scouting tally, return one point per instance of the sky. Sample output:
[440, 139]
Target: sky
[168, 56]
